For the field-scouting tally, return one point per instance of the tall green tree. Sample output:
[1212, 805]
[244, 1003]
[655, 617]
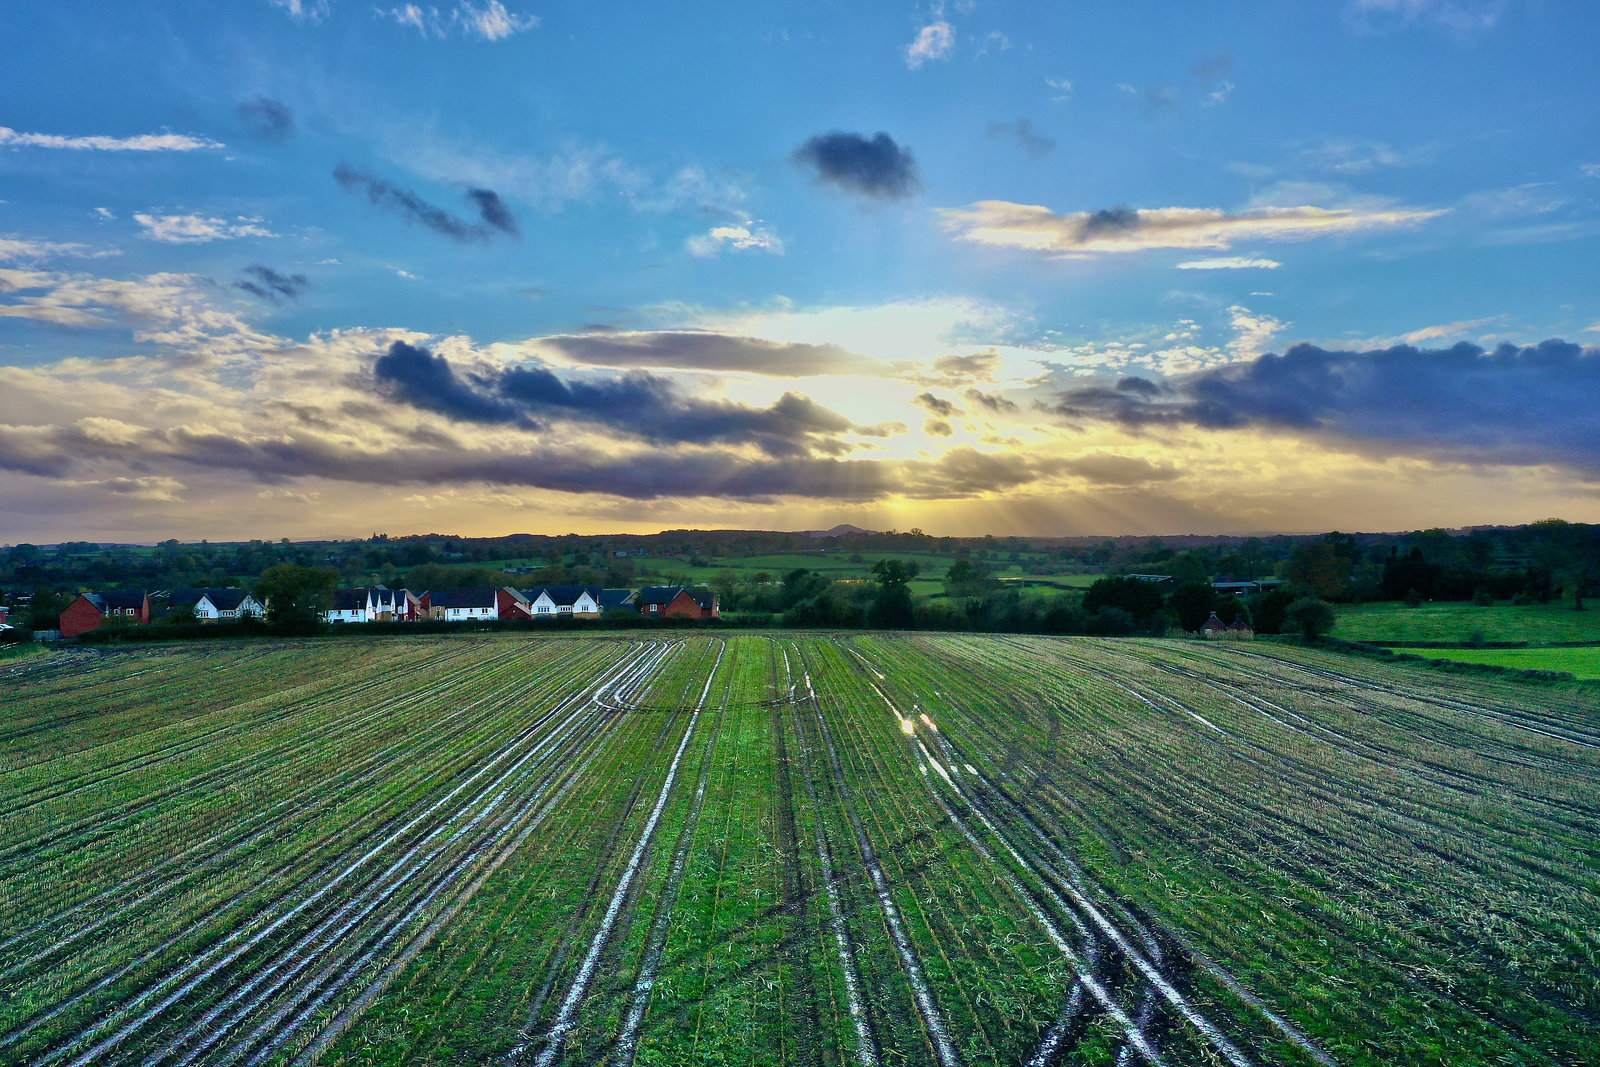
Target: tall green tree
[296, 596]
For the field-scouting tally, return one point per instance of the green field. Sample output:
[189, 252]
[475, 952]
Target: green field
[1582, 662]
[1537, 623]
[791, 849]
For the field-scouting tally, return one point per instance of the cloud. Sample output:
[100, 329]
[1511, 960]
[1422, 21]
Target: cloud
[1448, 329]
[993, 403]
[1463, 18]
[1106, 468]
[937, 428]
[1036, 144]
[1516, 406]
[875, 166]
[15, 249]
[1007, 225]
[491, 22]
[304, 10]
[268, 284]
[149, 487]
[637, 404]
[707, 351]
[1591, 170]
[171, 309]
[1061, 87]
[104, 214]
[1230, 263]
[197, 229]
[933, 41]
[1218, 95]
[147, 142]
[739, 238]
[938, 406]
[494, 215]
[269, 119]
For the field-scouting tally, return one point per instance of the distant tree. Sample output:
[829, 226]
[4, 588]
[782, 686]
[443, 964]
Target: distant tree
[1311, 618]
[296, 596]
[1570, 554]
[44, 611]
[967, 579]
[1139, 598]
[1273, 611]
[1192, 603]
[1318, 566]
[1231, 607]
[891, 608]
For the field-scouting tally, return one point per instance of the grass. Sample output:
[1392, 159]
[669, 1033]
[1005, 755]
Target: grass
[791, 849]
[1581, 662]
[1536, 623]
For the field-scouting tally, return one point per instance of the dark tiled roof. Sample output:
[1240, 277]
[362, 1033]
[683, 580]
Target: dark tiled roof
[472, 596]
[659, 594]
[221, 599]
[704, 597]
[115, 599]
[349, 599]
[563, 594]
[615, 598]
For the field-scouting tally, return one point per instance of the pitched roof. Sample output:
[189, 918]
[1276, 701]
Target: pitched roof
[704, 597]
[221, 599]
[659, 594]
[615, 598]
[349, 600]
[1214, 623]
[121, 598]
[470, 596]
[563, 595]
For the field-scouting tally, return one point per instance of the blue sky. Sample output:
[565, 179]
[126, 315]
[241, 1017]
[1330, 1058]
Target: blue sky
[889, 263]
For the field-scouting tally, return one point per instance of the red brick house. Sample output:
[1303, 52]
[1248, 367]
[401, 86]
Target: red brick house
[664, 601]
[89, 610]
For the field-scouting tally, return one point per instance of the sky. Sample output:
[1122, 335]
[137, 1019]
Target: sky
[316, 268]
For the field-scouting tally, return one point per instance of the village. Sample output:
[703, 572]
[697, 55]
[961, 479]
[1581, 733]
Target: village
[89, 611]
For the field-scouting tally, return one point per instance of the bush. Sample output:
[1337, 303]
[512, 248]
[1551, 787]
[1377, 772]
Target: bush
[1483, 598]
[17, 635]
[1523, 600]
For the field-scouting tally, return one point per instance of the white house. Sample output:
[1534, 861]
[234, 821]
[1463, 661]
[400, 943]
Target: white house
[554, 601]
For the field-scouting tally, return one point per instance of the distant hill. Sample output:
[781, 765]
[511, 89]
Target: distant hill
[844, 529]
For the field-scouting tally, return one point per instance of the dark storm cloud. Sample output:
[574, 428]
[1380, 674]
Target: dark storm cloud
[493, 214]
[269, 119]
[695, 350]
[873, 166]
[937, 405]
[636, 404]
[1523, 406]
[1030, 140]
[269, 284]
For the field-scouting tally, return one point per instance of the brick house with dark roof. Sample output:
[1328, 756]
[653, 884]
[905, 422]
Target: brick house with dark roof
[88, 610]
[674, 601]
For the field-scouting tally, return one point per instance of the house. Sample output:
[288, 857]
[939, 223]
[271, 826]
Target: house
[662, 601]
[1213, 626]
[5, 615]
[563, 601]
[1240, 630]
[619, 600]
[466, 604]
[218, 605]
[88, 610]
[349, 605]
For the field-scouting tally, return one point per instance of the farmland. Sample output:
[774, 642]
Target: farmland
[792, 849]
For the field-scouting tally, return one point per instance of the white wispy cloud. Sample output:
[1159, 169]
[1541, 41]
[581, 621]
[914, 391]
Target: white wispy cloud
[304, 10]
[1253, 331]
[1230, 263]
[1030, 226]
[1448, 329]
[144, 142]
[1219, 94]
[21, 248]
[491, 22]
[1461, 17]
[104, 214]
[739, 238]
[1591, 170]
[933, 41]
[195, 229]
[1062, 88]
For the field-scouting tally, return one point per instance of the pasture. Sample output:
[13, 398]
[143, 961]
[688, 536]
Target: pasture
[791, 849]
[1452, 621]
